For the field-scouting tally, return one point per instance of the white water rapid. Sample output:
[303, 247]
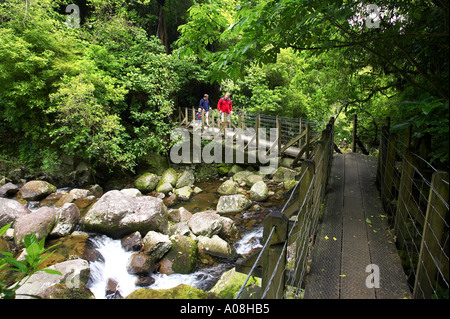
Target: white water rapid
[115, 259]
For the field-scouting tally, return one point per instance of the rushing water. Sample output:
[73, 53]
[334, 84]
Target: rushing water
[115, 259]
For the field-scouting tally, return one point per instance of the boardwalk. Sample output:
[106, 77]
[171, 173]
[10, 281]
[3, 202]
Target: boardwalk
[353, 234]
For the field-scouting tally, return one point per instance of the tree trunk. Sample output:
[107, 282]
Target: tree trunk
[162, 32]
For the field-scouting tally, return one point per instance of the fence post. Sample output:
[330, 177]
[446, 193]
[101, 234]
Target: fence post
[434, 226]
[307, 139]
[300, 133]
[257, 124]
[389, 171]
[273, 254]
[382, 152]
[404, 195]
[355, 128]
[278, 123]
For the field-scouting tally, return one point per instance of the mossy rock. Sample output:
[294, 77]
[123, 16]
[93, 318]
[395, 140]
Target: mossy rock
[183, 254]
[147, 182]
[234, 169]
[181, 291]
[62, 291]
[231, 282]
[223, 169]
[170, 176]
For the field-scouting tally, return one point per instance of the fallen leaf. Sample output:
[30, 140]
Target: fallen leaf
[334, 238]
[326, 237]
[342, 275]
[368, 221]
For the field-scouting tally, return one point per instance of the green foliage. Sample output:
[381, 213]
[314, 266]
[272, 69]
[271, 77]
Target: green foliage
[34, 257]
[104, 93]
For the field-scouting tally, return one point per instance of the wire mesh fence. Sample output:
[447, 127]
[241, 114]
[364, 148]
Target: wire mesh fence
[415, 196]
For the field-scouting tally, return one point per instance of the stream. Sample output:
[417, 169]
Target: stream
[114, 266]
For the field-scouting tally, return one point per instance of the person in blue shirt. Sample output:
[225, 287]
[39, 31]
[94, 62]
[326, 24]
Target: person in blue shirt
[205, 106]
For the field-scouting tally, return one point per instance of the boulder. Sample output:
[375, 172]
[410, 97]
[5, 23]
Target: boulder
[234, 169]
[164, 188]
[132, 192]
[8, 190]
[66, 219]
[144, 281]
[182, 257]
[147, 182]
[179, 215]
[181, 228]
[283, 174]
[241, 176]
[63, 291]
[259, 192]
[229, 187]
[70, 197]
[170, 200]
[36, 190]
[231, 282]
[229, 230]
[132, 242]
[230, 204]
[140, 264]
[39, 222]
[156, 245]
[169, 176]
[10, 211]
[186, 179]
[181, 291]
[74, 273]
[252, 179]
[215, 246]
[116, 214]
[207, 223]
[184, 193]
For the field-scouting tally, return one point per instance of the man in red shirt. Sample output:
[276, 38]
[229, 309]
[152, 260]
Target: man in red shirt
[225, 108]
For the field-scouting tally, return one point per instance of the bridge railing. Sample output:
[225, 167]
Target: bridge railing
[415, 197]
[289, 233]
[295, 136]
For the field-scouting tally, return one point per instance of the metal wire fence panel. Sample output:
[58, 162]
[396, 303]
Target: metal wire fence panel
[415, 195]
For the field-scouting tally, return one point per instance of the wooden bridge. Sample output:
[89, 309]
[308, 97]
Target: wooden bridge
[295, 137]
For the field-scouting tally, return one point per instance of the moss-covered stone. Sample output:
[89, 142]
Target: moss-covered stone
[231, 282]
[147, 182]
[179, 292]
[61, 291]
[182, 256]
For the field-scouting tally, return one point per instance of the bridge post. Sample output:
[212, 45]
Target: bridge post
[307, 140]
[257, 124]
[274, 257]
[278, 124]
[382, 152]
[355, 128]
[404, 195]
[305, 199]
[300, 133]
[389, 171]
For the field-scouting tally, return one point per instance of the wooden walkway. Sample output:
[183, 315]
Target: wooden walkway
[354, 234]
